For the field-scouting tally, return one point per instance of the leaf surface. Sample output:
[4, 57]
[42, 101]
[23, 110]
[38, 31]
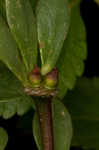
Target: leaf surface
[7, 78]
[12, 98]
[3, 138]
[97, 1]
[83, 104]
[9, 52]
[71, 60]
[73, 3]
[33, 4]
[62, 127]
[52, 26]
[2, 8]
[19, 105]
[23, 27]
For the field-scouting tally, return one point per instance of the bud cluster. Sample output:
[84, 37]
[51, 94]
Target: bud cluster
[42, 85]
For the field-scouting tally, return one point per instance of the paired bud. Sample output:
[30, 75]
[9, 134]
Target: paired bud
[51, 79]
[35, 77]
[43, 83]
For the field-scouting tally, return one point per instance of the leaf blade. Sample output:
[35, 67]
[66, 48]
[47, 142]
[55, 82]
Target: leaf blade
[52, 25]
[9, 52]
[3, 138]
[71, 60]
[7, 78]
[12, 98]
[2, 9]
[23, 27]
[83, 104]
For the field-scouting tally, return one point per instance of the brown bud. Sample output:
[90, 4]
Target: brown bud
[35, 76]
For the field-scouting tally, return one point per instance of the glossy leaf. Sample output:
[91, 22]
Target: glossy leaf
[9, 52]
[71, 60]
[61, 126]
[3, 138]
[23, 27]
[83, 104]
[52, 26]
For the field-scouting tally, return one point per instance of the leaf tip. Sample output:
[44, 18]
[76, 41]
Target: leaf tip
[45, 69]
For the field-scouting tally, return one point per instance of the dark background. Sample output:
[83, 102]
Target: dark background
[90, 14]
[18, 139]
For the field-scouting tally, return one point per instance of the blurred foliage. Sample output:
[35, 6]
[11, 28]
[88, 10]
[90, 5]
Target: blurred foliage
[12, 97]
[83, 105]
[3, 138]
[70, 63]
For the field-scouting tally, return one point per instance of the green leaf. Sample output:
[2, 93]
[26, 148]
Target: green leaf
[8, 109]
[33, 4]
[23, 27]
[10, 86]
[2, 8]
[24, 105]
[73, 3]
[61, 126]
[83, 104]
[12, 98]
[70, 63]
[19, 105]
[97, 1]
[36, 131]
[9, 52]
[52, 26]
[3, 139]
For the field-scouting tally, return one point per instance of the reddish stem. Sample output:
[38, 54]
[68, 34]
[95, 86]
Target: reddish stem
[45, 115]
